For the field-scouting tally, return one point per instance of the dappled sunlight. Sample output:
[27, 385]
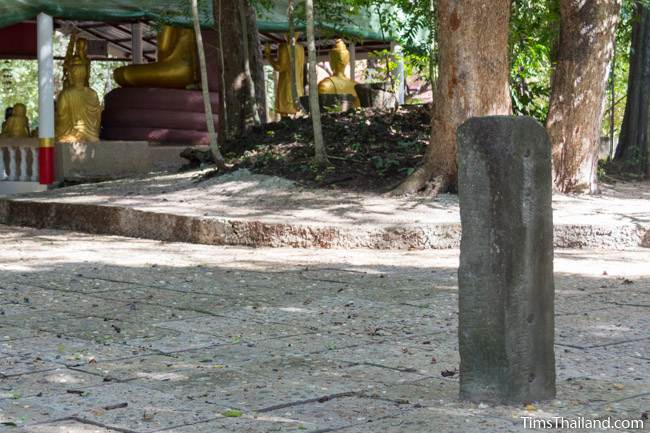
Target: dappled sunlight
[172, 334]
[63, 378]
[167, 376]
[27, 256]
[286, 209]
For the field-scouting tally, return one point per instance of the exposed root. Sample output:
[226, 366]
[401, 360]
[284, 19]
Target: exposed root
[422, 182]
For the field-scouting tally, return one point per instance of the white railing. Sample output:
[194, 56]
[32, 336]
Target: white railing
[18, 162]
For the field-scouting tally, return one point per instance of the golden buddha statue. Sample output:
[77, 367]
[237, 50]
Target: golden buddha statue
[78, 111]
[176, 68]
[17, 125]
[77, 51]
[283, 95]
[339, 83]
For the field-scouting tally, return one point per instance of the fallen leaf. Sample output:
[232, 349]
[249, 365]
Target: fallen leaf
[232, 413]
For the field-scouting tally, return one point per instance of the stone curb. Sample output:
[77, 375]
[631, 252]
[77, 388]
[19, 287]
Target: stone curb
[120, 221]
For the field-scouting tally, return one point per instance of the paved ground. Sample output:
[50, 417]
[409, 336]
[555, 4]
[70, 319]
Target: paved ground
[244, 209]
[108, 334]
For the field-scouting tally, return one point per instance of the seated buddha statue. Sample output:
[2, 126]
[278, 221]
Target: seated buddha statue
[339, 83]
[176, 67]
[78, 111]
[283, 96]
[17, 124]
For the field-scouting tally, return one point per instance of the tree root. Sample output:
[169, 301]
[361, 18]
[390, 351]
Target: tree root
[422, 181]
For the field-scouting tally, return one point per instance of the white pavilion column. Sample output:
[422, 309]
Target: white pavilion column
[45, 54]
[353, 61]
[400, 75]
[136, 43]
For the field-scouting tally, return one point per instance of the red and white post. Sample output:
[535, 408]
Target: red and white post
[45, 53]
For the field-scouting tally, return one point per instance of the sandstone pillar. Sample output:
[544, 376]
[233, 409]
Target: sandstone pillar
[506, 297]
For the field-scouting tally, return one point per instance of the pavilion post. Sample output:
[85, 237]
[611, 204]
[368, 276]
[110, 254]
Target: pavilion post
[136, 44]
[400, 74]
[45, 54]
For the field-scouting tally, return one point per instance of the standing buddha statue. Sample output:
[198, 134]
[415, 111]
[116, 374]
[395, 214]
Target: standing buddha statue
[176, 67]
[78, 111]
[339, 83]
[77, 51]
[284, 105]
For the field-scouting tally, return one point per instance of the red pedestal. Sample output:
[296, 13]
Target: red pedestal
[46, 165]
[157, 115]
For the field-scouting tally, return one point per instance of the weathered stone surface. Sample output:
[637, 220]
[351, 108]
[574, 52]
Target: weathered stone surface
[369, 369]
[506, 288]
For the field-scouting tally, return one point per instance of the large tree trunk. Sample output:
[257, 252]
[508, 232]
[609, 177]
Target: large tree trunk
[472, 81]
[634, 143]
[237, 108]
[587, 31]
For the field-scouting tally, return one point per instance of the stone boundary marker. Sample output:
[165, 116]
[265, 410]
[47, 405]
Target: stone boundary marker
[124, 221]
[506, 288]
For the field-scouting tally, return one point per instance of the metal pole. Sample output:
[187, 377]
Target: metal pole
[353, 61]
[136, 43]
[44, 32]
[400, 74]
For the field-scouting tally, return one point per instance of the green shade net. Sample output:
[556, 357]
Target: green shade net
[174, 12]
[358, 25]
[355, 24]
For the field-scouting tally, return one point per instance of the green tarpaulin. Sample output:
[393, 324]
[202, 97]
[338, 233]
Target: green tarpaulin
[361, 24]
[175, 12]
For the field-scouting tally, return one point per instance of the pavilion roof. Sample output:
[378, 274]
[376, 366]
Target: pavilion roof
[175, 12]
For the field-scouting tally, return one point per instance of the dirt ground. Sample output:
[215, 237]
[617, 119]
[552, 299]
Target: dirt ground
[369, 150]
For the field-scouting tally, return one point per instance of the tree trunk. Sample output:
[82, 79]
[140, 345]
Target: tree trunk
[320, 154]
[472, 81]
[634, 143]
[244, 8]
[587, 32]
[241, 110]
[209, 119]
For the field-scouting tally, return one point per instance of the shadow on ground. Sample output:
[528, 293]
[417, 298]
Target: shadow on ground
[141, 336]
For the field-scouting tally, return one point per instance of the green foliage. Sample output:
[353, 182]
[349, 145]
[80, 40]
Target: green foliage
[620, 72]
[19, 84]
[534, 29]
[407, 21]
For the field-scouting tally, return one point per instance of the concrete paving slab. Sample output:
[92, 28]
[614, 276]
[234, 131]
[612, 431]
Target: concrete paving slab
[603, 327]
[32, 385]
[234, 330]
[146, 410]
[66, 350]
[372, 322]
[18, 365]
[66, 427]
[343, 412]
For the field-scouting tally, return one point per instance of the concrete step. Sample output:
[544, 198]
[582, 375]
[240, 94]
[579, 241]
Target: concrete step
[211, 230]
